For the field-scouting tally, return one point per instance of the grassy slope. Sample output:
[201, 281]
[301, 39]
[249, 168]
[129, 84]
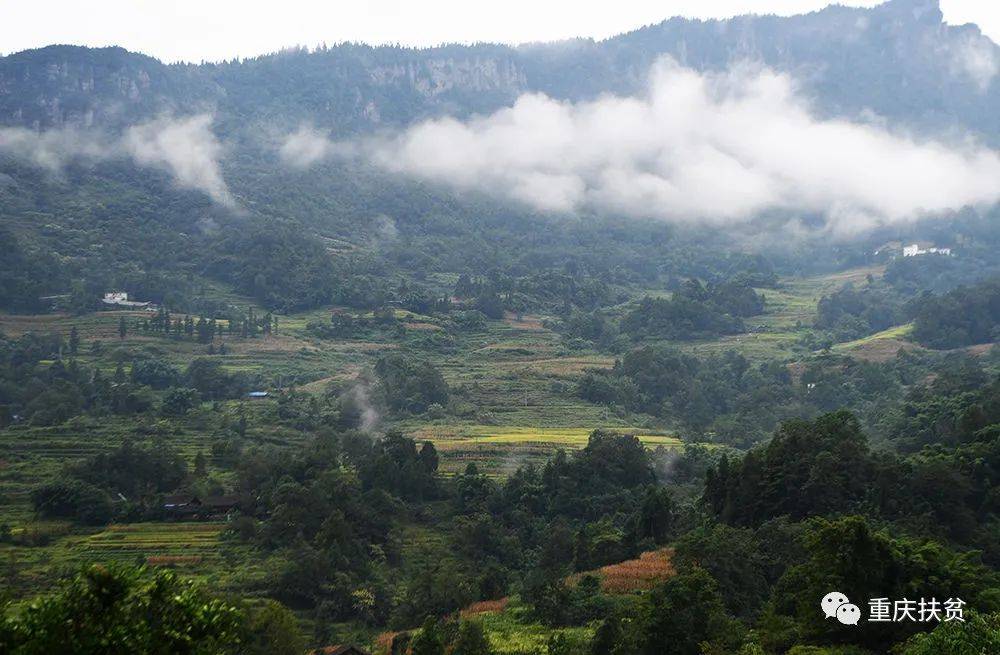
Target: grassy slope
[789, 314]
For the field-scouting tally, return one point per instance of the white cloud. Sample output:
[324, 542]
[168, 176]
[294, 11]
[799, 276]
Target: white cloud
[50, 149]
[975, 57]
[304, 147]
[184, 147]
[719, 148]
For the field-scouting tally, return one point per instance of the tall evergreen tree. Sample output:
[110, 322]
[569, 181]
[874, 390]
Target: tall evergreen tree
[74, 340]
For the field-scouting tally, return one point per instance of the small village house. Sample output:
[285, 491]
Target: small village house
[119, 299]
[915, 249]
[190, 506]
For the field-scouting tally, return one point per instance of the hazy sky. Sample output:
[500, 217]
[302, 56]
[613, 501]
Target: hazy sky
[194, 30]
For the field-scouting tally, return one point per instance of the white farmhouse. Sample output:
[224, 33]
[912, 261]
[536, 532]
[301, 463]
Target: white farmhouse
[120, 299]
[914, 250]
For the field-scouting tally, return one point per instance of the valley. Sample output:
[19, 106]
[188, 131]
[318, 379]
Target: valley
[513, 403]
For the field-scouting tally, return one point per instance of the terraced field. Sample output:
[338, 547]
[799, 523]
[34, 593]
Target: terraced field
[195, 547]
[790, 310]
[516, 377]
[881, 346]
[796, 299]
[512, 386]
[30, 456]
[182, 544]
[634, 575]
[522, 374]
[514, 633]
[559, 437]
[498, 450]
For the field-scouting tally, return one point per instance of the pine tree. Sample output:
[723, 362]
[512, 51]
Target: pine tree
[122, 328]
[252, 324]
[74, 340]
[200, 466]
[202, 330]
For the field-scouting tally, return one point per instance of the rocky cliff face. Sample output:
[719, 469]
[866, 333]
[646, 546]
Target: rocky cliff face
[433, 77]
[62, 85]
[898, 60]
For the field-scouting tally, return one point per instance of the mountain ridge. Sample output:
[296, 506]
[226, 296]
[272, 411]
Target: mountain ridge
[898, 60]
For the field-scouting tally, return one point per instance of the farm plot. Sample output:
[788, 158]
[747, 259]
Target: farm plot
[634, 575]
[510, 632]
[881, 346]
[499, 450]
[60, 549]
[30, 456]
[797, 298]
[177, 544]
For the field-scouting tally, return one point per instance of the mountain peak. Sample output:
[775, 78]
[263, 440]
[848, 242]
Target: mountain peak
[921, 11]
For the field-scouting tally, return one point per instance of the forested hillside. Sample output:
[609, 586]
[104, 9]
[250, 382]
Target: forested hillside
[86, 182]
[852, 59]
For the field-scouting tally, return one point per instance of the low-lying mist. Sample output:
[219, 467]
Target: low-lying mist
[707, 148]
[184, 147]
